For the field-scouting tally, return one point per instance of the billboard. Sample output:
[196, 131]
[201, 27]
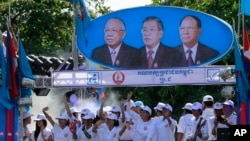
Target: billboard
[154, 37]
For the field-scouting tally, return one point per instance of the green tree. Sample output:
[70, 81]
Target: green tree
[45, 26]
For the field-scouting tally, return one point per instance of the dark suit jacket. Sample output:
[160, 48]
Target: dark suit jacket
[165, 57]
[204, 54]
[125, 58]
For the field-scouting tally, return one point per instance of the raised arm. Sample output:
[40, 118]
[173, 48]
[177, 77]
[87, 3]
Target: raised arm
[66, 105]
[49, 118]
[122, 111]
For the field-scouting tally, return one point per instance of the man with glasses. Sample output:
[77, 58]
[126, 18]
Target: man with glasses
[115, 52]
[193, 52]
[155, 55]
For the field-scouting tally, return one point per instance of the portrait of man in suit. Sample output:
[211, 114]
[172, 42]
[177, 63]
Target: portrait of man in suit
[115, 52]
[154, 54]
[193, 51]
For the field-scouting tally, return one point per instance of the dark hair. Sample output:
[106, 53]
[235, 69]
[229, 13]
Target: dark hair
[208, 103]
[158, 20]
[198, 21]
[96, 119]
[188, 111]
[116, 123]
[37, 130]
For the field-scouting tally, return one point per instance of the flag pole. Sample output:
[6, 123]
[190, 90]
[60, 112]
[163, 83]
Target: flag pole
[74, 48]
[9, 13]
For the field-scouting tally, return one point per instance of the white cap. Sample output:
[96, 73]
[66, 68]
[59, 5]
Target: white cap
[63, 116]
[85, 111]
[188, 106]
[107, 109]
[139, 104]
[169, 107]
[146, 108]
[40, 117]
[89, 116]
[115, 109]
[208, 98]
[159, 106]
[112, 116]
[74, 110]
[229, 102]
[27, 114]
[218, 105]
[196, 106]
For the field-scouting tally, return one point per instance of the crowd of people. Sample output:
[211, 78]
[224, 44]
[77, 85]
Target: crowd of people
[133, 121]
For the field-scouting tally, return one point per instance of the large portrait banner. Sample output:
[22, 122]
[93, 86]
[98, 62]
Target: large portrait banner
[154, 37]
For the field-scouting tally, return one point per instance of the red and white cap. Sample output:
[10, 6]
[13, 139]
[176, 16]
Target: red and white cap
[40, 117]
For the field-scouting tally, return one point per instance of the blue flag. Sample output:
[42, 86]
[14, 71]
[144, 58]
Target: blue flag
[25, 69]
[245, 7]
[242, 86]
[82, 20]
[4, 91]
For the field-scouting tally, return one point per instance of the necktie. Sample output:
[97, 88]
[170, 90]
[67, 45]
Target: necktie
[190, 61]
[150, 58]
[113, 56]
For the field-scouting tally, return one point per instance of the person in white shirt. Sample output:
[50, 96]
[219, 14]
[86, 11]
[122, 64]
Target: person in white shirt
[185, 123]
[214, 122]
[110, 130]
[158, 109]
[41, 133]
[164, 127]
[84, 133]
[61, 131]
[128, 134]
[208, 110]
[25, 130]
[230, 118]
[199, 127]
[143, 122]
[73, 114]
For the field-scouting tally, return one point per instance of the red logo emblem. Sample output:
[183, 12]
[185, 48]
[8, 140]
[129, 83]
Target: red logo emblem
[118, 77]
